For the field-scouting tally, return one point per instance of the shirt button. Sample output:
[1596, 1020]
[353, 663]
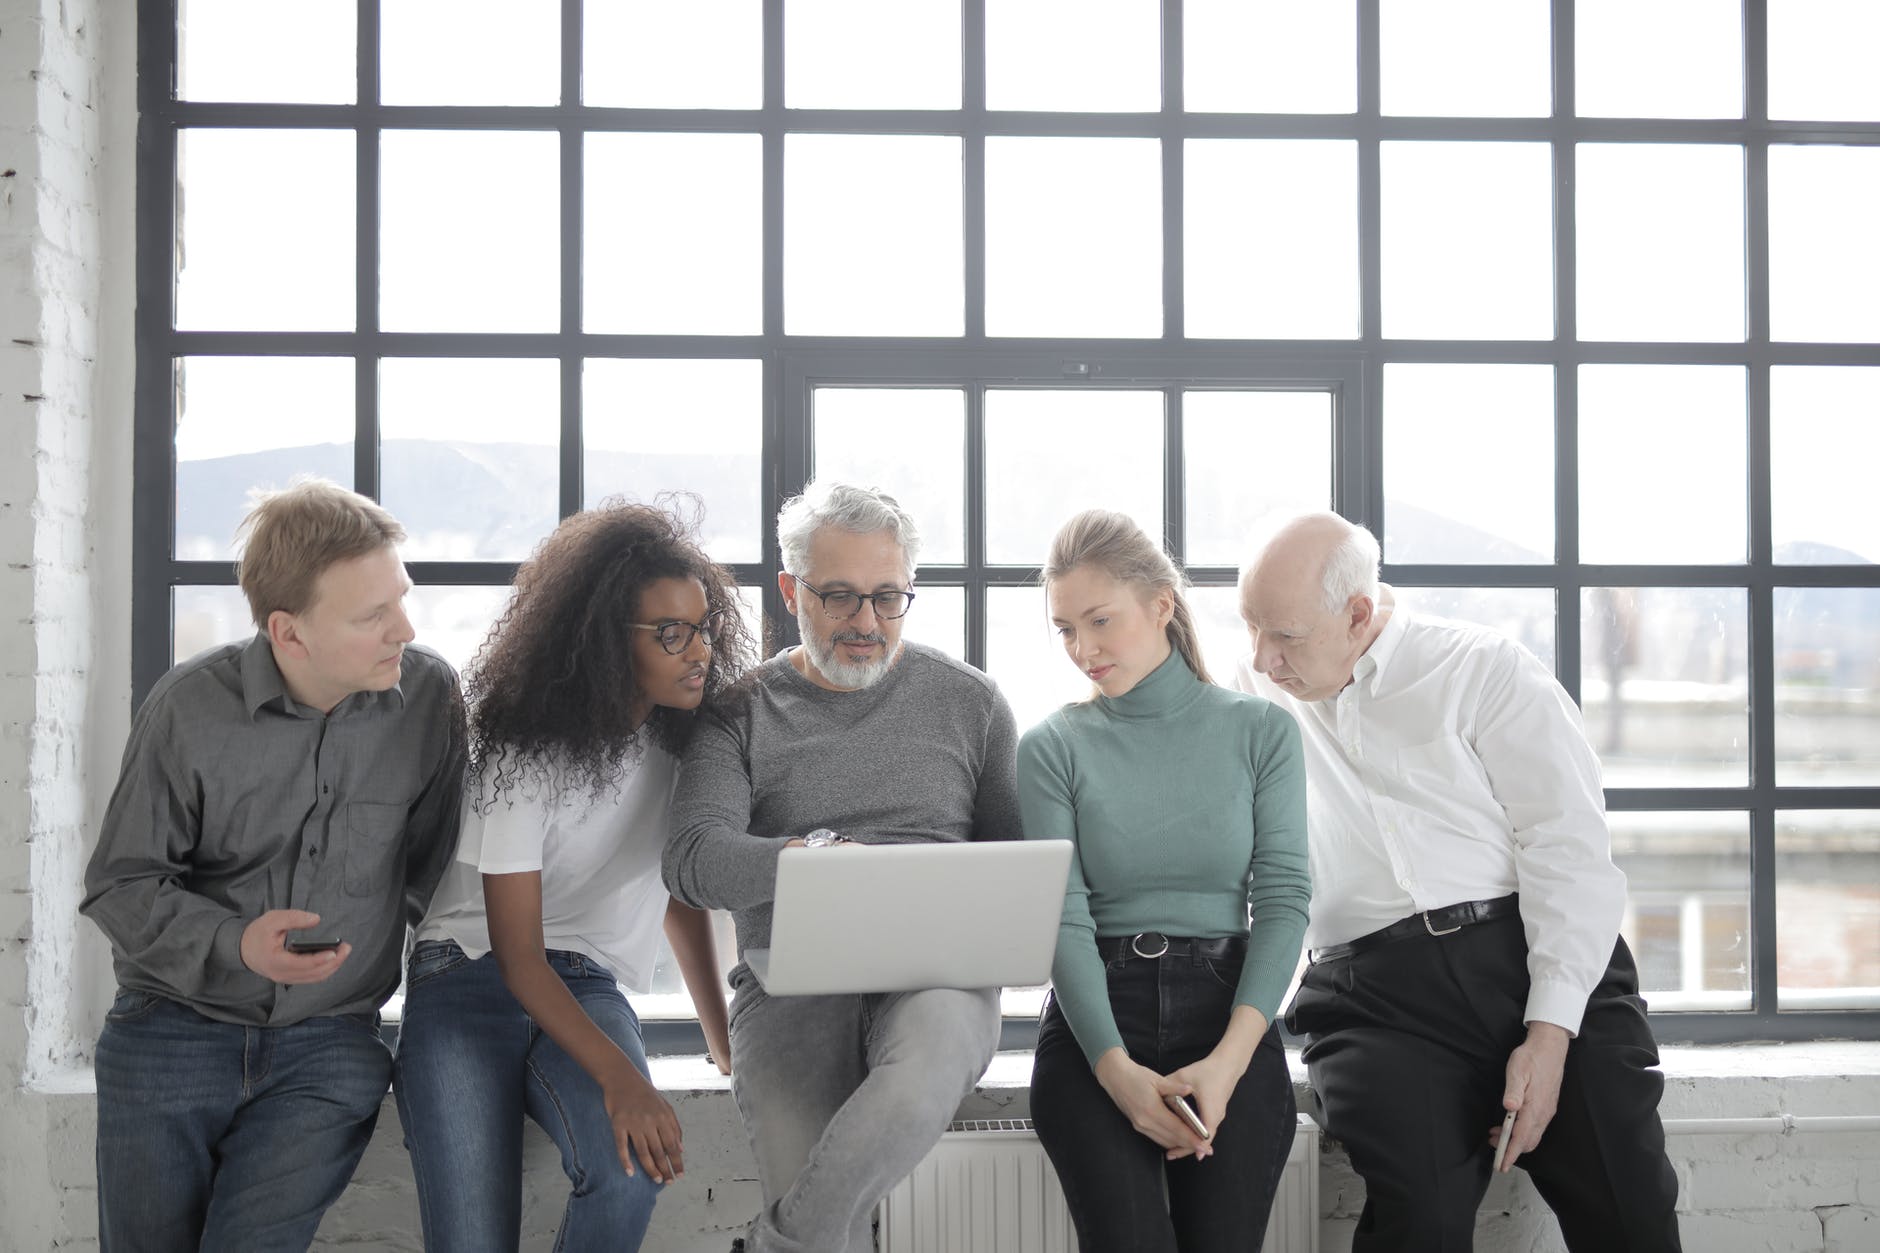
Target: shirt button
[1408, 885]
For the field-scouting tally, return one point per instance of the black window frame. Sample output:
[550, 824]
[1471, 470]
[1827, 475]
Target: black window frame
[1353, 368]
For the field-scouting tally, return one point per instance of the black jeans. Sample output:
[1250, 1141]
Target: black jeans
[1408, 1049]
[1123, 1194]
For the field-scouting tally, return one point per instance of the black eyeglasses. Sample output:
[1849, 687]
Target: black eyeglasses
[845, 605]
[676, 637]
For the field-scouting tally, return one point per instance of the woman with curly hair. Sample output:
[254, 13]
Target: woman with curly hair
[619, 629]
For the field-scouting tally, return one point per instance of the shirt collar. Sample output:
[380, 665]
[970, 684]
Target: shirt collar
[1377, 658]
[262, 682]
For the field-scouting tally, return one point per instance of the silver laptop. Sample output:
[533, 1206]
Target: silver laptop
[900, 917]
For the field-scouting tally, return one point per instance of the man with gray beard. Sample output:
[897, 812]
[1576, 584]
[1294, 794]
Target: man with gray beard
[853, 737]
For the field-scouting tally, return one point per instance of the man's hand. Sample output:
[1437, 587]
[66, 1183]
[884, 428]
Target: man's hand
[1534, 1071]
[644, 1125]
[1139, 1092]
[264, 949]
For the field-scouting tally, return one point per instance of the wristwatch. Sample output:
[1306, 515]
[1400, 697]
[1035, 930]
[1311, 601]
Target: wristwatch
[823, 837]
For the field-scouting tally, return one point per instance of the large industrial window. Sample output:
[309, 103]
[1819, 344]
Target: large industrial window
[1573, 303]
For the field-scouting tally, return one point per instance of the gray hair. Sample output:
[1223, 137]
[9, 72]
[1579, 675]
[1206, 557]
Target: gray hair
[863, 510]
[1351, 569]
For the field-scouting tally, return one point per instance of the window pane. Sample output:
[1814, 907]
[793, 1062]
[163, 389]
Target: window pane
[1821, 58]
[1269, 56]
[204, 617]
[862, 54]
[1824, 260]
[1660, 242]
[1523, 614]
[264, 223]
[1486, 273]
[1665, 684]
[938, 618]
[1827, 909]
[469, 454]
[1687, 915]
[253, 422]
[1466, 58]
[1073, 237]
[666, 998]
[1827, 686]
[454, 620]
[1074, 55]
[872, 237]
[1271, 238]
[1468, 463]
[469, 52]
[1824, 436]
[1224, 639]
[1023, 654]
[642, 435]
[456, 257]
[1247, 454]
[654, 54]
[1637, 420]
[1658, 58]
[1051, 454]
[910, 442]
[305, 53]
[673, 235]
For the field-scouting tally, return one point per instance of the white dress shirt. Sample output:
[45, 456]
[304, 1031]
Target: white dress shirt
[1454, 768]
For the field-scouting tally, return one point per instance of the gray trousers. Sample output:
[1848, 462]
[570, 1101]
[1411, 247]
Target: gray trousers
[843, 1095]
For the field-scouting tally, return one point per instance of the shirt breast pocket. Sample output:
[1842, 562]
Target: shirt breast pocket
[374, 840]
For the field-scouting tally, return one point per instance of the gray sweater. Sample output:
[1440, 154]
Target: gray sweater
[926, 754]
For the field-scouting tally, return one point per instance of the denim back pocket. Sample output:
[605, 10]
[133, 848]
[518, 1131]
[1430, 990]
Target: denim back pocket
[432, 958]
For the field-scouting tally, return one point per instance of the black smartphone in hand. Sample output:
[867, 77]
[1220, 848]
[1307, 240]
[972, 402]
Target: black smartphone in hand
[311, 944]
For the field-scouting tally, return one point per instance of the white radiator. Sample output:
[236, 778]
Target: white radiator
[988, 1188]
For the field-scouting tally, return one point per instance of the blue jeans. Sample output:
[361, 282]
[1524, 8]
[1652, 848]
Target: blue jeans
[1123, 1196]
[213, 1136]
[470, 1064]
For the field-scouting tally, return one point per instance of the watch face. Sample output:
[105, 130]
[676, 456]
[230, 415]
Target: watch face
[821, 837]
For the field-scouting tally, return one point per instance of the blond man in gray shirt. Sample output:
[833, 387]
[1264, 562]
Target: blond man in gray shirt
[286, 806]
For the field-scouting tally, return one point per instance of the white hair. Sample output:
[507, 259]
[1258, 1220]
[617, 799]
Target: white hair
[1351, 567]
[863, 510]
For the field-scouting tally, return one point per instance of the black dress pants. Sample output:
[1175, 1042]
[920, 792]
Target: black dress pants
[1408, 1048]
[1124, 1196]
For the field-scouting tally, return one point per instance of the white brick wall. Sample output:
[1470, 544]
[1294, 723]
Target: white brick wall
[67, 124]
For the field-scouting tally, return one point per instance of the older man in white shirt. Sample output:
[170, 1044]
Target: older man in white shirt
[1465, 956]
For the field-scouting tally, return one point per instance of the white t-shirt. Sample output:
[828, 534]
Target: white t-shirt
[602, 895]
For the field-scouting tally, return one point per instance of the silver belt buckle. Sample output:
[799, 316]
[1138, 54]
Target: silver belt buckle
[1433, 931]
[1135, 943]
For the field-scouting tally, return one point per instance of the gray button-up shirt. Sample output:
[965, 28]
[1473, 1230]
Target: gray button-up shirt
[234, 799]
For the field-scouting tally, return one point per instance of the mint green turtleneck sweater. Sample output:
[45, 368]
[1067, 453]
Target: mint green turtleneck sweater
[1187, 806]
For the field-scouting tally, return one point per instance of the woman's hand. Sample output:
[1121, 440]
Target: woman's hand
[1140, 1093]
[1215, 1076]
[644, 1125]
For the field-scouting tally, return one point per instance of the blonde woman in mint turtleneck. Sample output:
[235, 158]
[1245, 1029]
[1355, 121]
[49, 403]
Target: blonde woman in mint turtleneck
[1186, 803]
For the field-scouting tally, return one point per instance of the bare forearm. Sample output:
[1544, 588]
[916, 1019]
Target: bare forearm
[694, 945]
[1246, 1027]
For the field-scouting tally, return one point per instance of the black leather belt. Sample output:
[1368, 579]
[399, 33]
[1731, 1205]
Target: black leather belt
[1430, 922]
[1153, 944]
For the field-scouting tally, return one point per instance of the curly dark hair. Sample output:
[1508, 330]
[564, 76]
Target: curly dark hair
[550, 689]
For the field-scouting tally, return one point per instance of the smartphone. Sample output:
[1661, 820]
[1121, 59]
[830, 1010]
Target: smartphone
[311, 944]
[1187, 1114]
[1501, 1149]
